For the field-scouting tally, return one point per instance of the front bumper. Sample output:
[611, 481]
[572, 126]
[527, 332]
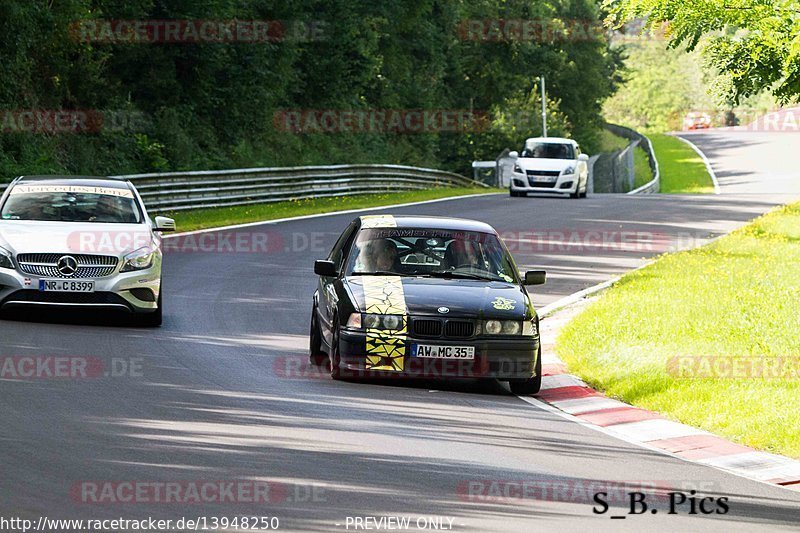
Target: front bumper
[504, 358]
[116, 291]
[564, 184]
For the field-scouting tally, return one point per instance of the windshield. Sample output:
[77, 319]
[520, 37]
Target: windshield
[430, 252]
[71, 203]
[544, 150]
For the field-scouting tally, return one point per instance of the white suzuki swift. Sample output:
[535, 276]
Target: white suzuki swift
[80, 243]
[550, 165]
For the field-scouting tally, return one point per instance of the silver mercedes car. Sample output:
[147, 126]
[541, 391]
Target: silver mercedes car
[80, 242]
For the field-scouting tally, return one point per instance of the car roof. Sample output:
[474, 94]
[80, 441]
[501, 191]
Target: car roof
[552, 139]
[431, 222]
[90, 181]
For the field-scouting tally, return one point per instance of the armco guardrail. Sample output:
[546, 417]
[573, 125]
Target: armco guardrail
[177, 191]
[654, 185]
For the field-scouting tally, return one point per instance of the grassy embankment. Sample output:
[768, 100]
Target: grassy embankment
[682, 170]
[224, 216]
[735, 298]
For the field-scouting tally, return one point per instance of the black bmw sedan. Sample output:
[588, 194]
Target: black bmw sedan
[427, 297]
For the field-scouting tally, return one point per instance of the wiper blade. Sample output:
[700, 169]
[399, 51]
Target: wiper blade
[378, 273]
[461, 275]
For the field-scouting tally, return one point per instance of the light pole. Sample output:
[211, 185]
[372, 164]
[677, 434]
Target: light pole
[544, 108]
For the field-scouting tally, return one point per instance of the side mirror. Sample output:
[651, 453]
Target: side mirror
[535, 277]
[513, 154]
[325, 268]
[583, 157]
[163, 224]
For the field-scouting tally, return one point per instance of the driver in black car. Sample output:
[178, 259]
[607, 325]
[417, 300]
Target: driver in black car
[461, 253]
[379, 255]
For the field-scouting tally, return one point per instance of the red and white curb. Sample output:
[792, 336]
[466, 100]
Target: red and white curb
[575, 399]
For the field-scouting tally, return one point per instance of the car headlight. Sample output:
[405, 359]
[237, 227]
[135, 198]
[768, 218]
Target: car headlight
[502, 327]
[138, 260]
[5, 259]
[492, 327]
[371, 321]
[517, 168]
[505, 327]
[389, 322]
[569, 170]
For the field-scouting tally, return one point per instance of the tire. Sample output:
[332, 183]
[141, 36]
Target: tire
[575, 194]
[530, 386]
[316, 355]
[336, 372]
[155, 319]
[516, 194]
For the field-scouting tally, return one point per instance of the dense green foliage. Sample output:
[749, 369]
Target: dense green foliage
[213, 105]
[662, 85]
[752, 43]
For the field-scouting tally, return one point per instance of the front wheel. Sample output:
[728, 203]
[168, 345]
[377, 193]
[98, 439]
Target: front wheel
[532, 385]
[336, 372]
[516, 194]
[585, 189]
[316, 355]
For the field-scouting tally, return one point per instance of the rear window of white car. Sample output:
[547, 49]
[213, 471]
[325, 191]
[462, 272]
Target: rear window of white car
[71, 203]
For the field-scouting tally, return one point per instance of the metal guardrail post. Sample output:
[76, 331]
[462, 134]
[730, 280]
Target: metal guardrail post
[653, 186]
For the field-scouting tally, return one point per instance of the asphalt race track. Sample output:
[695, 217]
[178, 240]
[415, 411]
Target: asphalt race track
[221, 392]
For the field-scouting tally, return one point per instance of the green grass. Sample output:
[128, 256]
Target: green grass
[682, 170]
[610, 142]
[223, 216]
[641, 167]
[735, 297]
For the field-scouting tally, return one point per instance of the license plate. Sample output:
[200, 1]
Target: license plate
[442, 352]
[65, 285]
[545, 179]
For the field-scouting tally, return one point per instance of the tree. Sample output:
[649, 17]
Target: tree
[206, 104]
[753, 43]
[661, 86]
